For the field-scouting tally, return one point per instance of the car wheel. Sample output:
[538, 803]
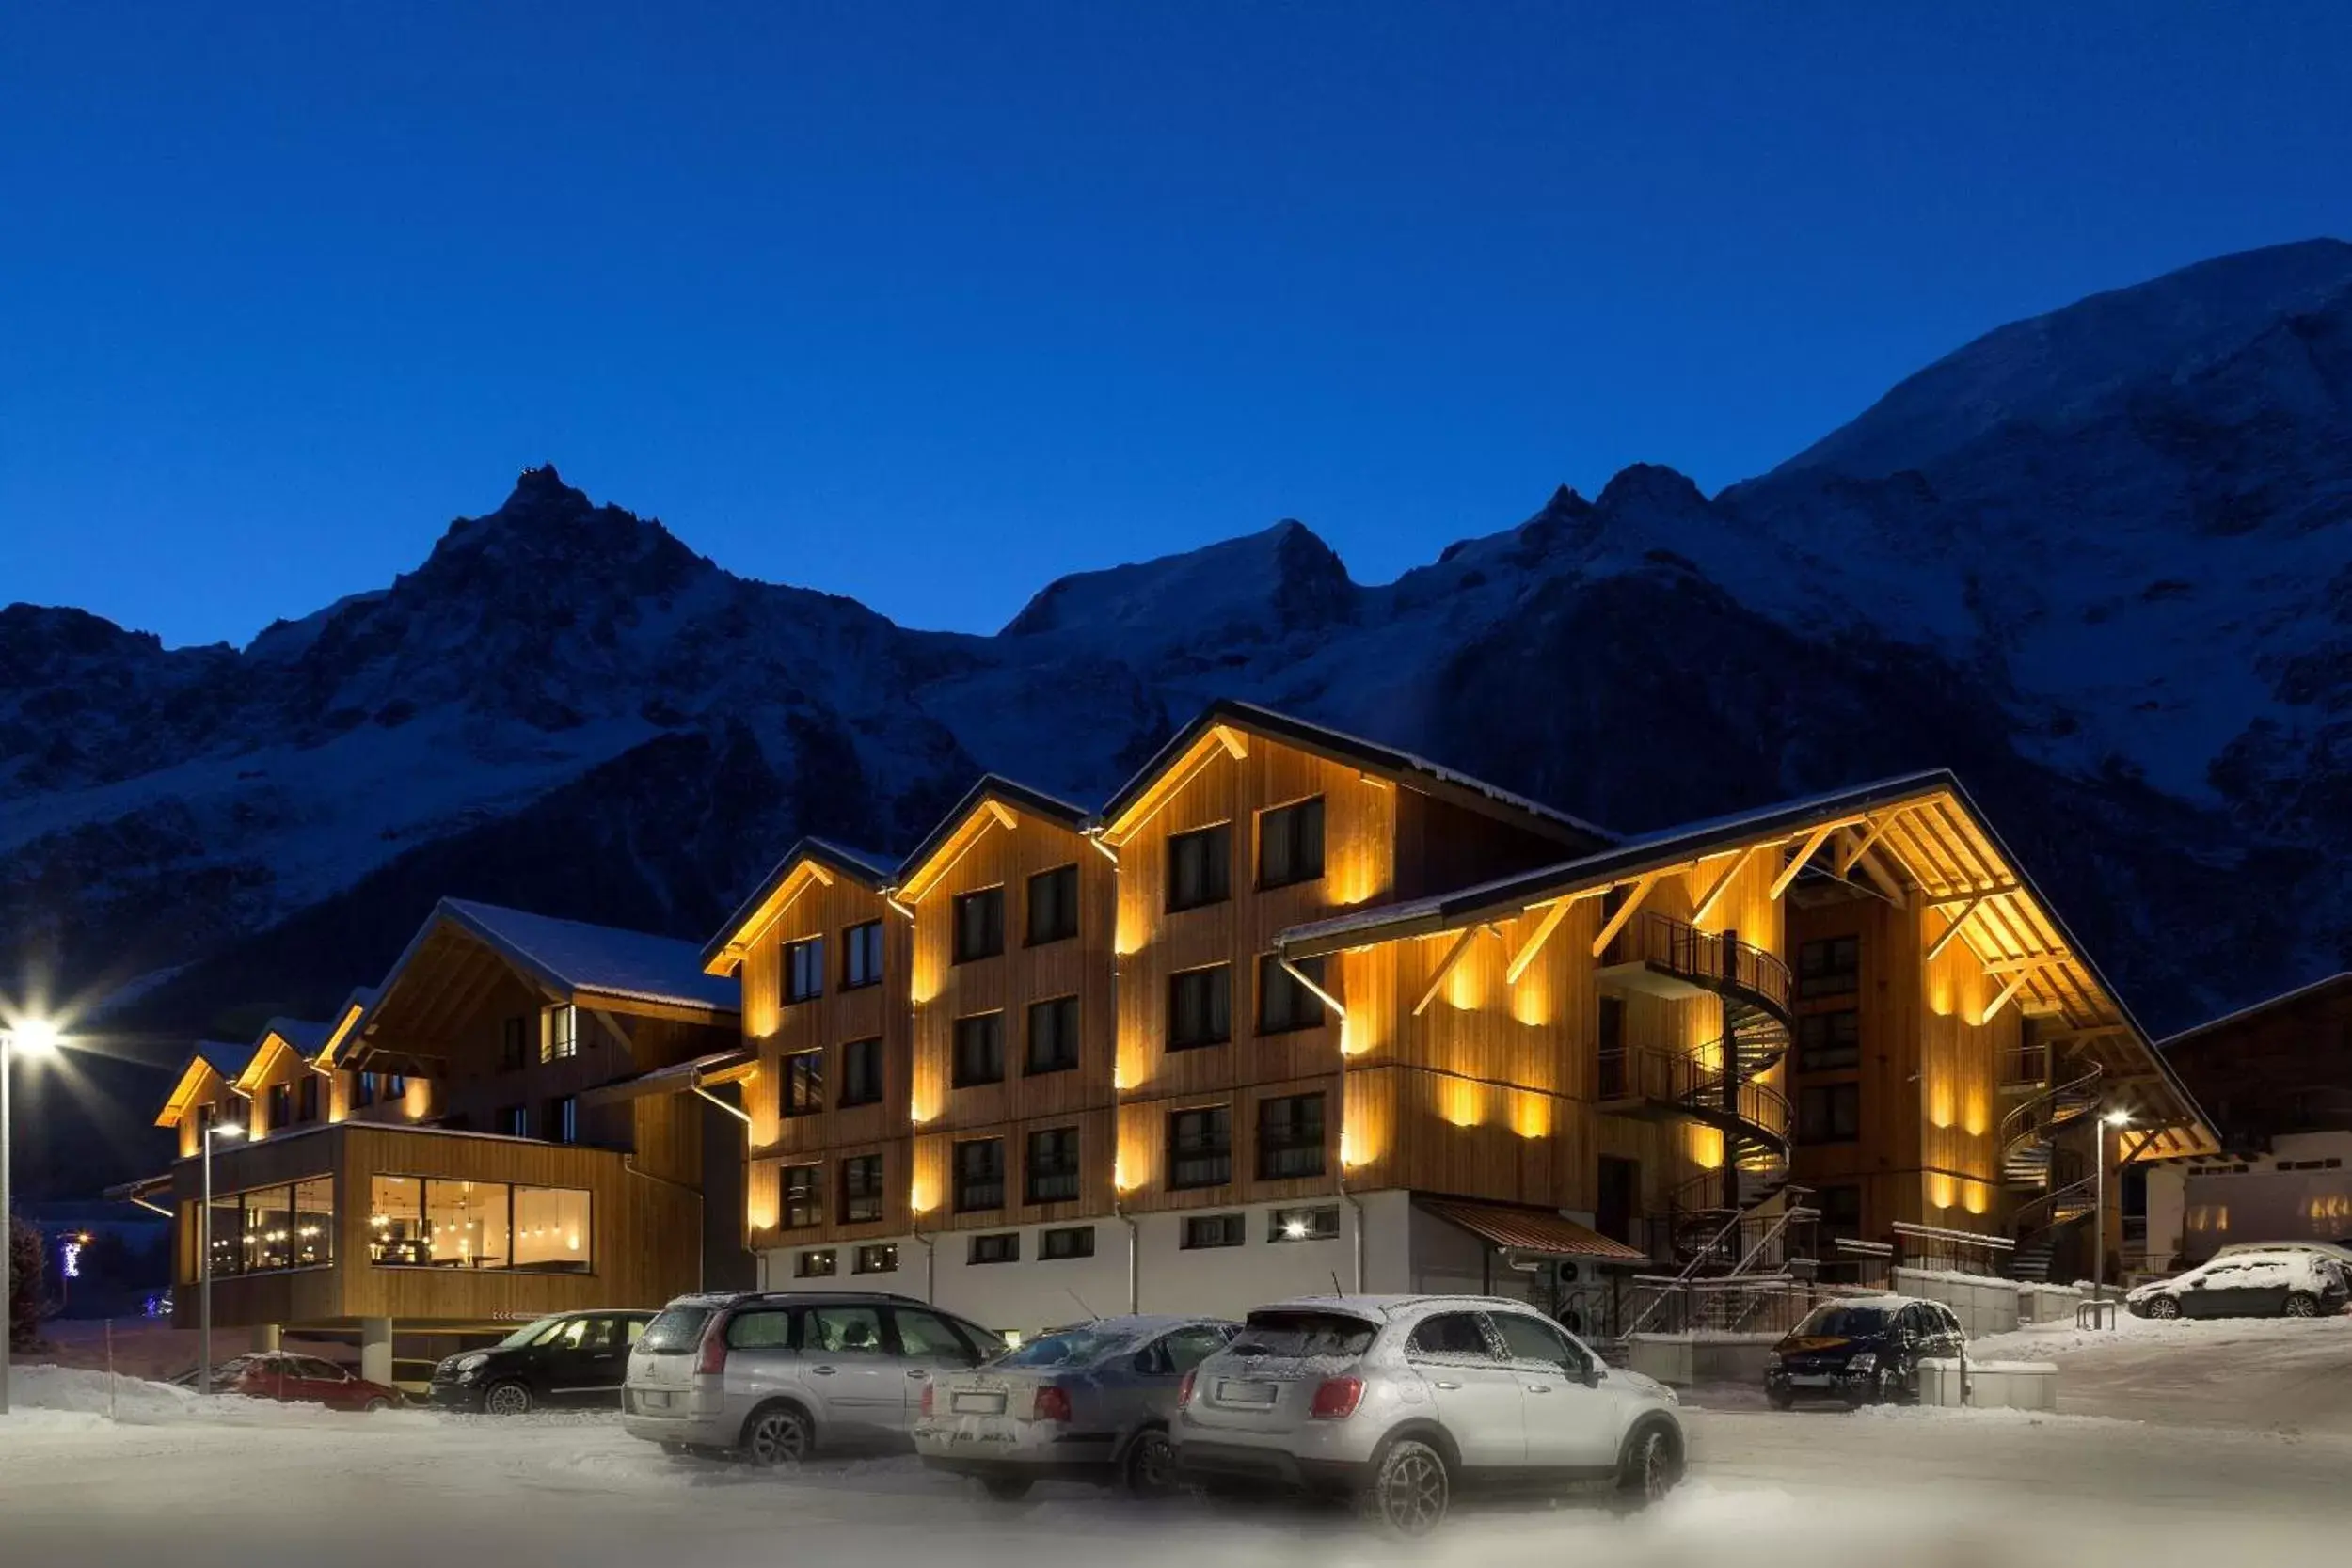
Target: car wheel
[1150, 1469]
[508, 1399]
[2164, 1306]
[776, 1435]
[2302, 1304]
[379, 1403]
[1651, 1467]
[1006, 1489]
[1410, 1491]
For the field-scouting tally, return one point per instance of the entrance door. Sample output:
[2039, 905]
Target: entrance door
[1620, 1191]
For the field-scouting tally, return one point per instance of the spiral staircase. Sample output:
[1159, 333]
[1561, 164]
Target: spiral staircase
[1718, 1085]
[2055, 1193]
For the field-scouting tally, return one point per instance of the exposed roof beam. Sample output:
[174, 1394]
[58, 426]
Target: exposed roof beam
[1626, 912]
[1859, 843]
[1887, 885]
[2017, 983]
[1236, 742]
[1789, 873]
[1722, 884]
[1445, 965]
[2028, 964]
[1535, 940]
[1976, 897]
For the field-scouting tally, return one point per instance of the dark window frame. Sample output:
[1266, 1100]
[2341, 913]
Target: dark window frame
[977, 1192]
[1192, 1140]
[1064, 1242]
[801, 1206]
[802, 968]
[562, 1121]
[1829, 1053]
[1200, 867]
[1293, 835]
[861, 1072]
[1064, 1035]
[1207, 1233]
[1059, 918]
[976, 1049]
[1303, 1008]
[861, 963]
[1059, 1175]
[862, 1189]
[1215, 977]
[975, 938]
[1818, 1118]
[1291, 1139]
[992, 1246]
[803, 1083]
[1821, 968]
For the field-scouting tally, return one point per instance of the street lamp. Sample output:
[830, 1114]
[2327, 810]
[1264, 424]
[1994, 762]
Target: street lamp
[34, 1037]
[204, 1254]
[2118, 1118]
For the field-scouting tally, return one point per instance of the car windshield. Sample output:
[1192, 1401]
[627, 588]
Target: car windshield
[1071, 1346]
[1303, 1334]
[677, 1330]
[1847, 1323]
[530, 1332]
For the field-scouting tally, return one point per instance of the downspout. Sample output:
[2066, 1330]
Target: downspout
[931, 1260]
[1135, 1269]
[1349, 1198]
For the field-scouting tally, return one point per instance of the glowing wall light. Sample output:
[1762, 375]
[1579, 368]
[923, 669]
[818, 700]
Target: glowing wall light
[1531, 1115]
[1461, 1102]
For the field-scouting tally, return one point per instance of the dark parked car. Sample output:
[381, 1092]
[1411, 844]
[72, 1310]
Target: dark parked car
[1864, 1351]
[2282, 1284]
[569, 1359]
[294, 1379]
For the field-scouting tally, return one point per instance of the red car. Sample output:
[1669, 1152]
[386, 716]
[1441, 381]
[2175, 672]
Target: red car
[302, 1380]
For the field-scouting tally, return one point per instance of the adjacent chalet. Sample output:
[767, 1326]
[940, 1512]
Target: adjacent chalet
[479, 1140]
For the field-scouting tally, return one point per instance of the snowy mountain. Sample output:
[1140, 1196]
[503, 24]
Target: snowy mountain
[2099, 562]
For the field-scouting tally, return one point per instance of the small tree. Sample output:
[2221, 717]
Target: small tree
[26, 1255]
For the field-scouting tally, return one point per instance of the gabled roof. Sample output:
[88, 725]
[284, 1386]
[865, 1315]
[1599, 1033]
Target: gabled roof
[994, 798]
[810, 858]
[1195, 740]
[583, 962]
[1935, 835]
[221, 1060]
[2256, 1009]
[347, 1019]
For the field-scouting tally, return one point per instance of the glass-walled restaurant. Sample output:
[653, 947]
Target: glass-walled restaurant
[413, 1222]
[291, 1226]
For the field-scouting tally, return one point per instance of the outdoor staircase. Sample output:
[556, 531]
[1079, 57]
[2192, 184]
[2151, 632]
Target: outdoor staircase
[2030, 1163]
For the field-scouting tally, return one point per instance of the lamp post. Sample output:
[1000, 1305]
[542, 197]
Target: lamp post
[34, 1038]
[205, 1256]
[2099, 1203]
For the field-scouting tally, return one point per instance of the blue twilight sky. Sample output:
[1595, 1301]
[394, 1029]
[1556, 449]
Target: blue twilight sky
[928, 303]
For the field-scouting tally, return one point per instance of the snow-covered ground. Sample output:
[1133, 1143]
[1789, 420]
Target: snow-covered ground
[233, 1482]
[2270, 1375]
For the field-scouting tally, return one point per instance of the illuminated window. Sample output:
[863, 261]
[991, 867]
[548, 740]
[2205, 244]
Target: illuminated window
[432, 1222]
[1201, 867]
[822, 1263]
[879, 1257]
[559, 1033]
[1053, 906]
[804, 969]
[1303, 1225]
[980, 925]
[861, 956]
[1290, 844]
[1283, 1004]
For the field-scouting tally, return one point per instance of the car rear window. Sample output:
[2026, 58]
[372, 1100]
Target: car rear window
[1071, 1346]
[677, 1331]
[1303, 1334]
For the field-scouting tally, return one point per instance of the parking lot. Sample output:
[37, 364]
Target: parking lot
[260, 1484]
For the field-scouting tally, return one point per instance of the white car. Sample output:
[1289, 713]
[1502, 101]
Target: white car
[2262, 1284]
[1400, 1401]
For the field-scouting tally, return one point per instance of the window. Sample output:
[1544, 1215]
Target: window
[768, 1328]
[1609, 1047]
[861, 1189]
[514, 1049]
[1201, 867]
[1283, 1004]
[819, 1264]
[428, 1221]
[1213, 1231]
[804, 1083]
[1201, 1146]
[861, 956]
[1053, 906]
[928, 1337]
[979, 1175]
[843, 1330]
[1532, 1339]
[1841, 1211]
[861, 1072]
[1076, 1241]
[559, 1033]
[363, 1089]
[280, 1106]
[1053, 1034]
[1050, 1175]
[1451, 1336]
[1201, 1007]
[1184, 1350]
[1829, 1113]
[1303, 1225]
[1829, 1042]
[980, 1049]
[804, 969]
[314, 1222]
[306, 1098]
[562, 1119]
[1290, 844]
[1290, 1137]
[997, 1246]
[274, 1227]
[1830, 967]
[395, 1086]
[804, 1196]
[878, 1257]
[512, 1120]
[980, 925]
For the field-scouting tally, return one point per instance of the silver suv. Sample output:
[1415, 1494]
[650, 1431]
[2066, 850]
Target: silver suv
[776, 1376]
[1400, 1401]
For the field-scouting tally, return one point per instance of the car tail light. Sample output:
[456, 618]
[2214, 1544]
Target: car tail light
[714, 1354]
[1336, 1399]
[1184, 1391]
[1053, 1405]
[927, 1399]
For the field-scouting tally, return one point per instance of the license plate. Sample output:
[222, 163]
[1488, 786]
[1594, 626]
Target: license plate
[1811, 1380]
[648, 1401]
[1244, 1393]
[978, 1404]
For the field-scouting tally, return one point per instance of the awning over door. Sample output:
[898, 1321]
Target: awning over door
[1534, 1232]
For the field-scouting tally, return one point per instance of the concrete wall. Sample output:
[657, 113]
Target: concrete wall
[1034, 1294]
[1983, 1306]
[1989, 1385]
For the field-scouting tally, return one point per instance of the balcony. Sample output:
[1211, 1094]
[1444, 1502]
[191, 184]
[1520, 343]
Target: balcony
[1660, 955]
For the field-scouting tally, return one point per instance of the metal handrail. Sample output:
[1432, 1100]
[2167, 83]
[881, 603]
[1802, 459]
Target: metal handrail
[2043, 1208]
[1681, 948]
[2023, 1122]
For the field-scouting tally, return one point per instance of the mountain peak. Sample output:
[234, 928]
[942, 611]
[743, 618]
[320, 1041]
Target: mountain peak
[543, 486]
[1279, 579]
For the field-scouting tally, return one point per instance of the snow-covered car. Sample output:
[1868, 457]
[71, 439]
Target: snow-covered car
[1866, 1350]
[2248, 1285]
[1401, 1401]
[1085, 1404]
[2337, 1250]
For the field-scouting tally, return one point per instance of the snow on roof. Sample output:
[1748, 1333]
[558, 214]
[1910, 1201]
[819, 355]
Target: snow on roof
[876, 870]
[305, 1036]
[574, 955]
[225, 1057]
[2254, 1008]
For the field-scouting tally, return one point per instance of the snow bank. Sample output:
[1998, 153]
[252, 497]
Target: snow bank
[65, 1399]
